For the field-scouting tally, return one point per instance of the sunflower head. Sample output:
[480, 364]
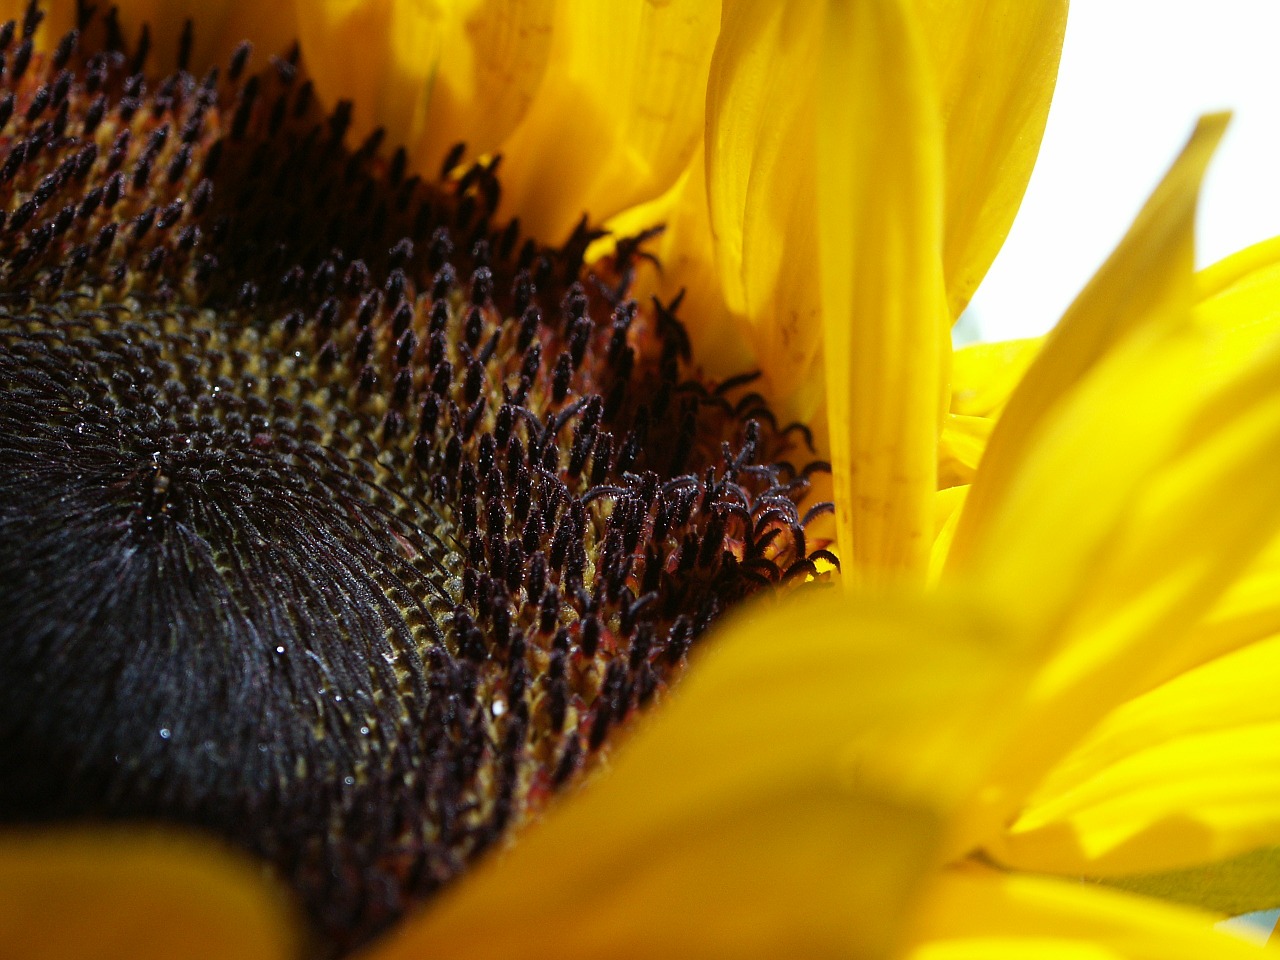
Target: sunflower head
[336, 517]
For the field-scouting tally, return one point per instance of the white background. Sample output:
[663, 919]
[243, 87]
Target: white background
[1134, 76]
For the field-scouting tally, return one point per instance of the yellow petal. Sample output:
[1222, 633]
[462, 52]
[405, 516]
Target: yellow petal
[1149, 275]
[1239, 299]
[218, 27]
[1119, 561]
[1239, 267]
[1188, 773]
[983, 375]
[996, 64]
[130, 894]
[960, 448]
[884, 315]
[760, 182]
[1239, 322]
[617, 116]
[984, 914]
[493, 57]
[947, 506]
[379, 54]
[1243, 313]
[786, 800]
[432, 73]
[686, 268]
[1249, 611]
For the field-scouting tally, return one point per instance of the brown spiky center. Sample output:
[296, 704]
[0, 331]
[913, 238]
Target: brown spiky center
[334, 518]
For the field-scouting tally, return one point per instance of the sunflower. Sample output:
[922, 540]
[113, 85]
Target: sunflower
[845, 774]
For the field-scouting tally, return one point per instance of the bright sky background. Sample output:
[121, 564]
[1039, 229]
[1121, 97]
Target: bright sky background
[1135, 74]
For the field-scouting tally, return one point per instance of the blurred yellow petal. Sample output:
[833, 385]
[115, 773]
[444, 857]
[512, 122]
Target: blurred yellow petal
[617, 116]
[984, 914]
[1239, 267]
[1129, 499]
[948, 505]
[1057, 507]
[884, 315]
[1240, 301]
[1119, 562]
[983, 375]
[960, 448]
[131, 894]
[1183, 775]
[1248, 611]
[786, 800]
[1148, 276]
[1243, 884]
[996, 64]
[1244, 313]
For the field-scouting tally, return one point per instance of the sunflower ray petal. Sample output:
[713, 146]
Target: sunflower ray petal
[1185, 774]
[996, 64]
[612, 123]
[884, 317]
[1147, 278]
[389, 82]
[760, 187]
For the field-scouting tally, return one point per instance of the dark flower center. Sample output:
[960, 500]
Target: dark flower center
[335, 518]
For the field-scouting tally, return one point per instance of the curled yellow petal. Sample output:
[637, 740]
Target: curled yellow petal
[381, 55]
[787, 800]
[618, 113]
[996, 64]
[760, 182]
[132, 894]
[493, 56]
